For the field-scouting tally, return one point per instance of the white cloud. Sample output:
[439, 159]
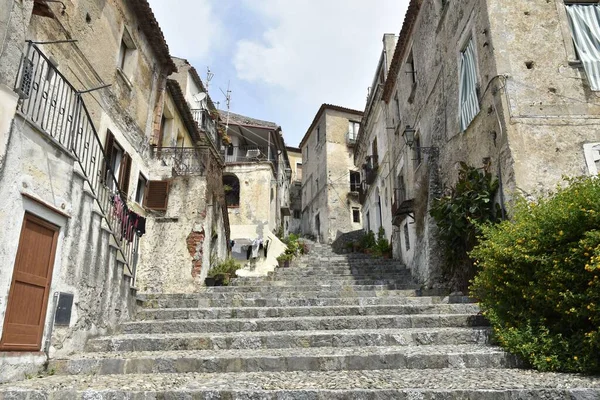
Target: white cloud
[191, 27]
[319, 50]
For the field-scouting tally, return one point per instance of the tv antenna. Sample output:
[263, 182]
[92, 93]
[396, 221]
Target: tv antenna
[228, 103]
[209, 76]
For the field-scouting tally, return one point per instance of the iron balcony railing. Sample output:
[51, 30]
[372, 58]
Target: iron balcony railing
[52, 104]
[371, 169]
[184, 160]
[355, 186]
[243, 154]
[207, 125]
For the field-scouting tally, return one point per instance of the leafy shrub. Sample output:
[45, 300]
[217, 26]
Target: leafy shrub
[539, 279]
[382, 246]
[368, 240]
[224, 271]
[458, 217]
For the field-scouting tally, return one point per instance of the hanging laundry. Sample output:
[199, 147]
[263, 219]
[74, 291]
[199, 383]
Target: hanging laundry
[255, 246]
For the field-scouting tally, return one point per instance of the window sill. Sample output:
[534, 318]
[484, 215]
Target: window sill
[575, 63]
[125, 79]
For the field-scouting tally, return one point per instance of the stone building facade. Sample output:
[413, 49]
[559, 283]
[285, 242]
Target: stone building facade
[372, 155]
[84, 176]
[295, 157]
[485, 84]
[257, 189]
[330, 203]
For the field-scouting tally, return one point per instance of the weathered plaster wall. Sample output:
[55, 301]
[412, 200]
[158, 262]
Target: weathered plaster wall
[172, 251]
[550, 110]
[86, 263]
[257, 206]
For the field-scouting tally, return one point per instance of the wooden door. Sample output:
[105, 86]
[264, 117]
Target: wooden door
[29, 291]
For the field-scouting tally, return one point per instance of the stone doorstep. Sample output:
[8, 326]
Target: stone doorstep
[279, 360]
[305, 288]
[285, 312]
[290, 339]
[305, 323]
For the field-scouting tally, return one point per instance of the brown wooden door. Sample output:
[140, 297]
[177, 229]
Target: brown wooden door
[29, 290]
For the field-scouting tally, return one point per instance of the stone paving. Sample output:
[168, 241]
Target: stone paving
[331, 327]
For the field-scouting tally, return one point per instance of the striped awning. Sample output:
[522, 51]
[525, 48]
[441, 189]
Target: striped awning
[585, 28]
[469, 103]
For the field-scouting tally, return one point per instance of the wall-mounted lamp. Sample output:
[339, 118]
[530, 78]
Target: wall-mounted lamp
[409, 135]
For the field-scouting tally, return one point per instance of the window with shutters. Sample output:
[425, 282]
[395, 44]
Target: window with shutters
[468, 87]
[157, 195]
[117, 170]
[584, 23]
[231, 185]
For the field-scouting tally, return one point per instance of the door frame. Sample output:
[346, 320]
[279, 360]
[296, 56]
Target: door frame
[52, 261]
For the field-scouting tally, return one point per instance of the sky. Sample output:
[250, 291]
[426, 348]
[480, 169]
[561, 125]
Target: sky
[282, 59]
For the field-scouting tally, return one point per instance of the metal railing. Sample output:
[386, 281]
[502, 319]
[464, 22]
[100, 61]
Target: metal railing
[207, 125]
[183, 160]
[51, 103]
[355, 186]
[238, 154]
[371, 169]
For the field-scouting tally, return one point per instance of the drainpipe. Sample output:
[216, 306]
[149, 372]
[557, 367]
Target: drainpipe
[51, 327]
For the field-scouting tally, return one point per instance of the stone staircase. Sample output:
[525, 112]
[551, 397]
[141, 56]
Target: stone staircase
[331, 327]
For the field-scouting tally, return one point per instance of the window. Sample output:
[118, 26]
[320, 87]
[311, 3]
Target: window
[118, 165]
[397, 106]
[417, 151]
[374, 153]
[125, 59]
[297, 214]
[157, 195]
[406, 237]
[353, 128]
[354, 181]
[231, 186]
[468, 99]
[230, 149]
[356, 215]
[368, 221]
[584, 21]
[166, 126]
[412, 72]
[318, 134]
[298, 171]
[141, 189]
[317, 183]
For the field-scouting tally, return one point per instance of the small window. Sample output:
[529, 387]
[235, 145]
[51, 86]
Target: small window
[230, 150]
[353, 128]
[412, 72]
[354, 181]
[355, 215]
[299, 171]
[141, 189]
[125, 59]
[468, 99]
[231, 186]
[406, 237]
[318, 134]
[417, 151]
[119, 165]
[297, 214]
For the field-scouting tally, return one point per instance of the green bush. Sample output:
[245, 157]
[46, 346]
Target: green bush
[224, 270]
[539, 279]
[368, 241]
[382, 245]
[458, 217]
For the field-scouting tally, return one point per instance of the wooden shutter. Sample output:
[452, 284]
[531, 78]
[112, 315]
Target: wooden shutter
[109, 143]
[125, 173]
[157, 195]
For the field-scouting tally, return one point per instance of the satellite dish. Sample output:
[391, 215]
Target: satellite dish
[199, 96]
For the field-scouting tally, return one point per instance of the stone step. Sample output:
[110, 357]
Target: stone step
[318, 294]
[278, 360]
[194, 302]
[305, 323]
[334, 269]
[323, 287]
[285, 312]
[289, 339]
[345, 275]
[405, 384]
[320, 282]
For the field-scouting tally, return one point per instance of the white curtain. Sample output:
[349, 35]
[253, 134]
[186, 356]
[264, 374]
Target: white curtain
[585, 27]
[469, 103]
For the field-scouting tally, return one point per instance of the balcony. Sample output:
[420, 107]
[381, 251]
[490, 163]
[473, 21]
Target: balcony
[351, 139]
[185, 161]
[248, 154]
[402, 205]
[362, 193]
[371, 168]
[207, 125]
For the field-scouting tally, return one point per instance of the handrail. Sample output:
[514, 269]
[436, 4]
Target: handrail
[52, 103]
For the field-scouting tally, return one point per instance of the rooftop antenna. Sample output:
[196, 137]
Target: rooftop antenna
[228, 103]
[209, 76]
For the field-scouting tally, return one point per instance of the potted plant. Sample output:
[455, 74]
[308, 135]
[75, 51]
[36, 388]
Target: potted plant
[221, 274]
[284, 260]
